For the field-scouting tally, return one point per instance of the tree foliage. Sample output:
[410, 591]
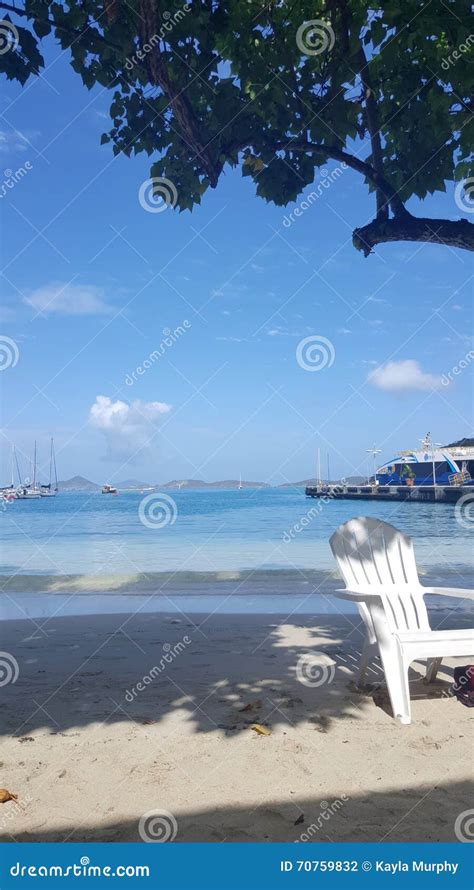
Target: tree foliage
[278, 88]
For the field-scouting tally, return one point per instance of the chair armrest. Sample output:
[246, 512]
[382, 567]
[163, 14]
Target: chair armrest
[356, 596]
[461, 592]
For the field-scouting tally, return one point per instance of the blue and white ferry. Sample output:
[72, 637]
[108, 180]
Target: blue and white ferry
[432, 464]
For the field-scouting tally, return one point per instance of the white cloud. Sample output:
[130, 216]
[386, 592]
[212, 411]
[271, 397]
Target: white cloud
[128, 428]
[403, 376]
[377, 300]
[280, 331]
[68, 299]
[13, 141]
[232, 339]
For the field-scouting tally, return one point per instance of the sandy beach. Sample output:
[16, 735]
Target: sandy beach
[116, 716]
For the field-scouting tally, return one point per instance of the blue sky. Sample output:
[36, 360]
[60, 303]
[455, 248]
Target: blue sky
[91, 281]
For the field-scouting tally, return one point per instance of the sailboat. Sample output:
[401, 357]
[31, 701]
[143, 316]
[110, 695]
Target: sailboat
[48, 491]
[27, 490]
[8, 493]
[240, 482]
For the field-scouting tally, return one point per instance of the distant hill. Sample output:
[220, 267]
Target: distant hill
[463, 443]
[199, 483]
[351, 480]
[78, 483]
[133, 484]
[302, 484]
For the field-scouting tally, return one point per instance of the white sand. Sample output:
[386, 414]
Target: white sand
[87, 762]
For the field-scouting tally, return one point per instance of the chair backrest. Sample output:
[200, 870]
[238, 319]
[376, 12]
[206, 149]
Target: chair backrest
[375, 557]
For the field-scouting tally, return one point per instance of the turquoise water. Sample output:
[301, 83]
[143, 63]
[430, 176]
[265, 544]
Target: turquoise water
[270, 542]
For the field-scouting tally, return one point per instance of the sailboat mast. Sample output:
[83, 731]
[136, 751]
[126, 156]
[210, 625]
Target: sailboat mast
[17, 466]
[54, 464]
[34, 467]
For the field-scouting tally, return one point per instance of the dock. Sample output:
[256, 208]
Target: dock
[449, 494]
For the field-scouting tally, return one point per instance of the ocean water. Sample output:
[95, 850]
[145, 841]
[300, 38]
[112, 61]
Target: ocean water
[85, 550]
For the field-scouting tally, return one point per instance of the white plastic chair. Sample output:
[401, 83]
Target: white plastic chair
[377, 562]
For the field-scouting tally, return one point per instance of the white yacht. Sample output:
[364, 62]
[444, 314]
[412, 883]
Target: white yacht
[28, 490]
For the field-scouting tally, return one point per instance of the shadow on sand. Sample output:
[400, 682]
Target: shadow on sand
[112, 668]
[223, 673]
[395, 816]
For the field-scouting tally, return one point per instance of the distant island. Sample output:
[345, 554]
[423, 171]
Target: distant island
[79, 483]
[225, 483]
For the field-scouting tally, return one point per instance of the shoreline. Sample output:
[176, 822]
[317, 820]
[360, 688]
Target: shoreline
[90, 745]
[247, 592]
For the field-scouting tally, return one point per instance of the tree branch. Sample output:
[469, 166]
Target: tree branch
[370, 110]
[367, 170]
[372, 121]
[191, 127]
[451, 233]
[10, 8]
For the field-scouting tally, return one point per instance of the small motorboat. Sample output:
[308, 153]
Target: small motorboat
[109, 489]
